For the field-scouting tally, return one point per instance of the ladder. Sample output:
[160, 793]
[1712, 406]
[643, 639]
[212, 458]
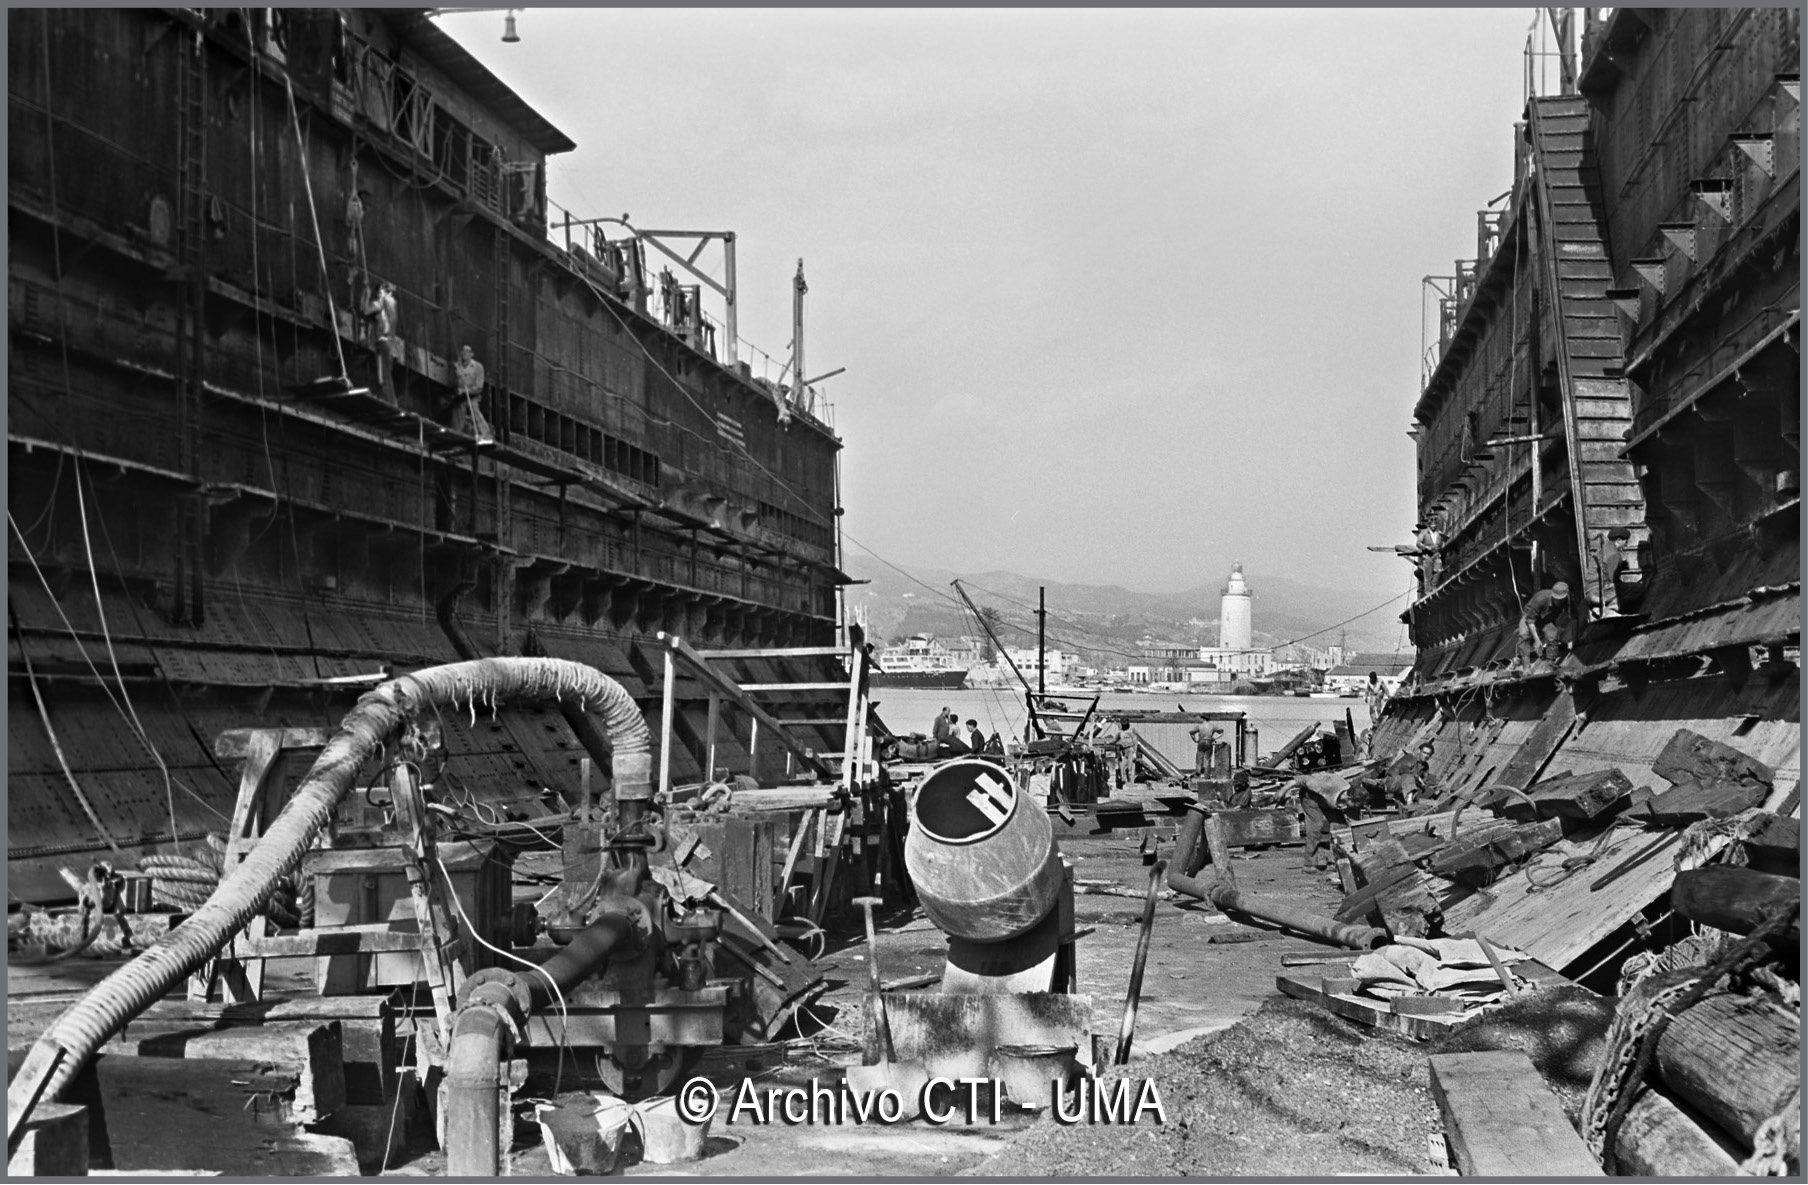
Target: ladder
[238, 970]
[853, 770]
[1597, 399]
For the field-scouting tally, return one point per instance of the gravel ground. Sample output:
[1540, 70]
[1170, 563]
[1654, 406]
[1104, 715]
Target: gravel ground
[1292, 1091]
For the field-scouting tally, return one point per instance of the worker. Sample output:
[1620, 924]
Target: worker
[467, 400]
[1545, 625]
[380, 309]
[1409, 778]
[976, 740]
[1205, 735]
[1375, 695]
[1107, 741]
[1622, 583]
[1321, 802]
[944, 725]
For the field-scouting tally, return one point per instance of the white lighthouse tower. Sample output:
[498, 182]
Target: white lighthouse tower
[1234, 625]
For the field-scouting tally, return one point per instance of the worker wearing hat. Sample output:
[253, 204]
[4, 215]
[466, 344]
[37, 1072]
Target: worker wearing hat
[1545, 625]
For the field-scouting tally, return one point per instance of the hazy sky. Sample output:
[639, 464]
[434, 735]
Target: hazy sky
[1122, 296]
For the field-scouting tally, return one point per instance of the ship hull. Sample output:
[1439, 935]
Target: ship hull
[211, 536]
[923, 680]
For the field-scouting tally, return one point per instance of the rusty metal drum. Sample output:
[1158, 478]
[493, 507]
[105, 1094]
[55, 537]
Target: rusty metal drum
[981, 854]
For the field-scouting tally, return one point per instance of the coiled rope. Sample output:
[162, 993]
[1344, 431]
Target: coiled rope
[188, 881]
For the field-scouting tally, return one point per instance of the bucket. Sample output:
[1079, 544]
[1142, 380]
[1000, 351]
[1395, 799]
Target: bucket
[1029, 1072]
[665, 1136]
[583, 1133]
[905, 1080]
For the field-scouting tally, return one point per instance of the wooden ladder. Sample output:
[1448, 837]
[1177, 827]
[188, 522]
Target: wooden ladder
[239, 969]
[852, 769]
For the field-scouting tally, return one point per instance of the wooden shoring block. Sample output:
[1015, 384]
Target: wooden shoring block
[1502, 1120]
[1570, 796]
[54, 1143]
[314, 1051]
[370, 1043]
[225, 1115]
[1660, 1139]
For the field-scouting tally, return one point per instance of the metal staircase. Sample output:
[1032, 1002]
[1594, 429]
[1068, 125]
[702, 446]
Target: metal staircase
[1597, 400]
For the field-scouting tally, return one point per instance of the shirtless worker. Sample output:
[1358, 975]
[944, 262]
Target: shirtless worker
[1205, 734]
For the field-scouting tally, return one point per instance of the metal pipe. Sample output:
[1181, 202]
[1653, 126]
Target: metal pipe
[585, 954]
[1134, 995]
[1221, 893]
[482, 1041]
[474, 1085]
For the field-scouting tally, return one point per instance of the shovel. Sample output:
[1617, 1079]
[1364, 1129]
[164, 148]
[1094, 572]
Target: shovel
[905, 1079]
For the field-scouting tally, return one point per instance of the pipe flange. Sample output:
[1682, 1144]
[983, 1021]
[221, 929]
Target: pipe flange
[635, 911]
[503, 990]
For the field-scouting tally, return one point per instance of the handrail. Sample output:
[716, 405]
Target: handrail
[676, 647]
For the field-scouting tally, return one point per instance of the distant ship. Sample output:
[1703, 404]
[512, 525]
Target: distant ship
[919, 661]
[942, 680]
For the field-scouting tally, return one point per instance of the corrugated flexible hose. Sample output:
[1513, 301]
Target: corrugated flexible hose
[378, 718]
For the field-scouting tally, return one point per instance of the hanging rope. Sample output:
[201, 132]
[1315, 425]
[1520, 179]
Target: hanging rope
[326, 279]
[31, 680]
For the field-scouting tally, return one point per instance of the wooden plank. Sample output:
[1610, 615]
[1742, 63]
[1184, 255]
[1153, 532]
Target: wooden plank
[1244, 828]
[1477, 863]
[235, 743]
[1556, 923]
[1374, 1014]
[1535, 751]
[370, 939]
[800, 798]
[778, 652]
[1502, 1120]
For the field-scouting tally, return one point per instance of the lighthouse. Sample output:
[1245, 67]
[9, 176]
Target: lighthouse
[1233, 612]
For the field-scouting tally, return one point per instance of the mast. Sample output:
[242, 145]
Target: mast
[1029, 700]
[1041, 639]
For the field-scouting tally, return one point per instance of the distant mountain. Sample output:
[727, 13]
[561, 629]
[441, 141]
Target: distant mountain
[920, 600]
